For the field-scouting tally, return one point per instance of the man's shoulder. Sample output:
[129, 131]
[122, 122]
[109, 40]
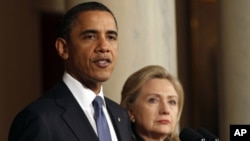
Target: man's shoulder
[111, 102]
[114, 106]
[46, 102]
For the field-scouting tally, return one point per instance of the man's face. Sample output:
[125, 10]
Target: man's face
[92, 48]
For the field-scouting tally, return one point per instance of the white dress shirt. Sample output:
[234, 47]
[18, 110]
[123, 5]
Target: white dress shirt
[84, 97]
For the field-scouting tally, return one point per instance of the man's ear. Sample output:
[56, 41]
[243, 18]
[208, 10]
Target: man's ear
[61, 48]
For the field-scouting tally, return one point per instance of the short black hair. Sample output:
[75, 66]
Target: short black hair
[70, 16]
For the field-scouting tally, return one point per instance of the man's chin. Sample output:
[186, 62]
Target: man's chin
[103, 78]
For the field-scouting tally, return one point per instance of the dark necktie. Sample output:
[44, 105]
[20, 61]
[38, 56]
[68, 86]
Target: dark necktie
[101, 122]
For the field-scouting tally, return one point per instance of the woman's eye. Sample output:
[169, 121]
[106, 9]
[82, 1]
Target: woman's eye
[152, 100]
[172, 102]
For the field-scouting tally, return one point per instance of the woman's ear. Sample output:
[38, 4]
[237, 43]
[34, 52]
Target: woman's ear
[131, 116]
[61, 47]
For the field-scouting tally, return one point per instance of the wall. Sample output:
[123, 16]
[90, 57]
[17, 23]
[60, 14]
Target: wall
[19, 60]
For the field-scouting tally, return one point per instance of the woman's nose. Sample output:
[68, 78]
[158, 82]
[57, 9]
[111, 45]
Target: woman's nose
[164, 109]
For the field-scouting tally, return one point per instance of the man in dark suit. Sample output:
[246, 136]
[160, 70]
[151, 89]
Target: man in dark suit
[88, 46]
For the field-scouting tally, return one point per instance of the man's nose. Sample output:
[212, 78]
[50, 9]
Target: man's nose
[102, 46]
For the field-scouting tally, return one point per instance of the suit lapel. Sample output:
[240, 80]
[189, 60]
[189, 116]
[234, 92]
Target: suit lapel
[118, 122]
[73, 114]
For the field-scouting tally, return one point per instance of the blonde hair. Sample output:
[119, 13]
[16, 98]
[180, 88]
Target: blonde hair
[135, 81]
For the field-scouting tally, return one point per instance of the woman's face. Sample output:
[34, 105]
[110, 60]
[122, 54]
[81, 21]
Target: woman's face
[156, 109]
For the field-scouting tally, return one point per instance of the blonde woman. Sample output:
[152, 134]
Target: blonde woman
[154, 100]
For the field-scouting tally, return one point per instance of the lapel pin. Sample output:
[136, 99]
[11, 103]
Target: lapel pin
[119, 119]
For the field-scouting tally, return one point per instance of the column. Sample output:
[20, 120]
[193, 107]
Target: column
[235, 73]
[147, 36]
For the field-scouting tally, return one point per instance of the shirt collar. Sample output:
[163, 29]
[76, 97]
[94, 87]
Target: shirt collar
[83, 95]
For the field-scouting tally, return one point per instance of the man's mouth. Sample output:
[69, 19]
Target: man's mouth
[103, 62]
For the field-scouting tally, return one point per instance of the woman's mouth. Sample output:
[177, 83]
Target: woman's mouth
[164, 121]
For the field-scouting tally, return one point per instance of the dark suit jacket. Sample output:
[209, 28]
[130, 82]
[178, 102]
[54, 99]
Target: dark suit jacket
[58, 117]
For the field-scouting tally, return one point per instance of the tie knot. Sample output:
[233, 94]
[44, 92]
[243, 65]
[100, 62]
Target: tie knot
[97, 103]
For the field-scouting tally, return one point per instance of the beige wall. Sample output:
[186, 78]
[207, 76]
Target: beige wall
[19, 60]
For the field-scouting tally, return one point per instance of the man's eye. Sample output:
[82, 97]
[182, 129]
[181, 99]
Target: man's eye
[89, 36]
[112, 37]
